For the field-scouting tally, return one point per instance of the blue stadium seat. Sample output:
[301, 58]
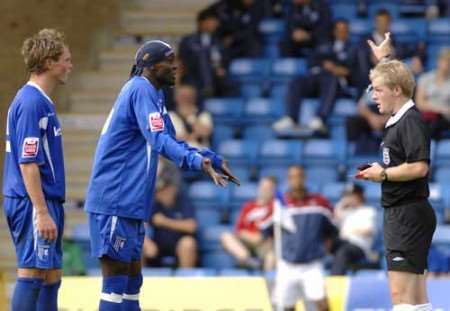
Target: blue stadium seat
[258, 133]
[245, 192]
[412, 8]
[409, 30]
[280, 152]
[279, 172]
[333, 191]
[225, 110]
[194, 272]
[209, 237]
[443, 153]
[284, 69]
[442, 174]
[204, 194]
[345, 107]
[249, 69]
[259, 110]
[433, 51]
[156, 272]
[358, 28]
[234, 272]
[251, 89]
[308, 110]
[272, 31]
[208, 216]
[217, 260]
[320, 152]
[321, 174]
[244, 173]
[239, 151]
[221, 133]
[439, 31]
[343, 10]
[393, 9]
[372, 192]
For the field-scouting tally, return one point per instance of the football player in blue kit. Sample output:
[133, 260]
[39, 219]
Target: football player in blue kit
[120, 192]
[33, 181]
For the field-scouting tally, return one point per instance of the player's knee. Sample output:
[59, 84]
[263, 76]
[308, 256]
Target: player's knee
[31, 273]
[113, 267]
[52, 276]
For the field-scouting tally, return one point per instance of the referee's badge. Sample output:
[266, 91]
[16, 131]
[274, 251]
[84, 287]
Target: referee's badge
[386, 157]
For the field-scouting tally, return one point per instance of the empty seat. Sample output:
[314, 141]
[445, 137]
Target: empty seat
[320, 152]
[439, 31]
[206, 194]
[280, 152]
[239, 151]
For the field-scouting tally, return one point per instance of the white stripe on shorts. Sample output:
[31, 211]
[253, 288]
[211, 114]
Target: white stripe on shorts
[134, 297]
[115, 298]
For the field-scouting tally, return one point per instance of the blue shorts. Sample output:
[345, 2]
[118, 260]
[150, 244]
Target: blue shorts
[33, 251]
[119, 238]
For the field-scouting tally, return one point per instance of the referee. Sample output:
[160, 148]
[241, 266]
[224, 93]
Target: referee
[409, 219]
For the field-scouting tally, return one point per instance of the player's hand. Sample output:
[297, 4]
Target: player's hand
[382, 50]
[373, 173]
[226, 170]
[46, 227]
[218, 179]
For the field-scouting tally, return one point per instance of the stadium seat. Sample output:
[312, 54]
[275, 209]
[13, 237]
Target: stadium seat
[284, 69]
[249, 69]
[358, 28]
[217, 260]
[439, 31]
[225, 110]
[261, 110]
[333, 191]
[209, 237]
[245, 192]
[280, 152]
[258, 133]
[343, 10]
[221, 133]
[414, 8]
[208, 216]
[409, 30]
[393, 8]
[345, 107]
[272, 31]
[442, 175]
[320, 152]
[234, 272]
[156, 272]
[244, 173]
[194, 272]
[443, 153]
[204, 194]
[239, 152]
[321, 174]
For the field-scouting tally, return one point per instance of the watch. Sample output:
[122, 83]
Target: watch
[384, 176]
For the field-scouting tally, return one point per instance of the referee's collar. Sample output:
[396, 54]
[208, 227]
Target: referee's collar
[394, 119]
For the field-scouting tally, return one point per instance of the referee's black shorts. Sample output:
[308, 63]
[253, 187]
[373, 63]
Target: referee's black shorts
[408, 231]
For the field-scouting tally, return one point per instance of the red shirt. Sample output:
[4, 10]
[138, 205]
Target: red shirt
[312, 199]
[252, 215]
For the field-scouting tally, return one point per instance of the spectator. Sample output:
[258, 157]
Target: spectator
[239, 26]
[308, 22]
[303, 249]
[433, 95]
[247, 244]
[173, 228]
[168, 170]
[357, 228]
[365, 129]
[191, 124]
[366, 60]
[202, 58]
[328, 77]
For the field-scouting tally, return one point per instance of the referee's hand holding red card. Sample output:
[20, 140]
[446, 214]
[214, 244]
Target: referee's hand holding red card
[373, 173]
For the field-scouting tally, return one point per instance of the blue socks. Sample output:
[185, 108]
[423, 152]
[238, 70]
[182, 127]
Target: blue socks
[26, 294]
[112, 291]
[131, 295]
[48, 297]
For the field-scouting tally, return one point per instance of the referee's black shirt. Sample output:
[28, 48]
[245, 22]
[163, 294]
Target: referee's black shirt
[405, 139]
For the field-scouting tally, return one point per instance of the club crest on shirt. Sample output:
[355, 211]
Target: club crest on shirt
[30, 147]
[386, 157]
[119, 243]
[156, 122]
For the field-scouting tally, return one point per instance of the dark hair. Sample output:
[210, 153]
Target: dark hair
[206, 14]
[384, 12]
[340, 20]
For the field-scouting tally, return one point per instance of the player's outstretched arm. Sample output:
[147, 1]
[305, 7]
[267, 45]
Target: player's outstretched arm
[384, 49]
[218, 179]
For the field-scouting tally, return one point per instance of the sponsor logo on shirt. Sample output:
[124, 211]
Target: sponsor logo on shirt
[119, 243]
[43, 251]
[30, 147]
[386, 157]
[57, 131]
[156, 122]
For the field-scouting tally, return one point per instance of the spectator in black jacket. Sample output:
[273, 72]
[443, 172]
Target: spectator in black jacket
[329, 76]
[308, 22]
[203, 59]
